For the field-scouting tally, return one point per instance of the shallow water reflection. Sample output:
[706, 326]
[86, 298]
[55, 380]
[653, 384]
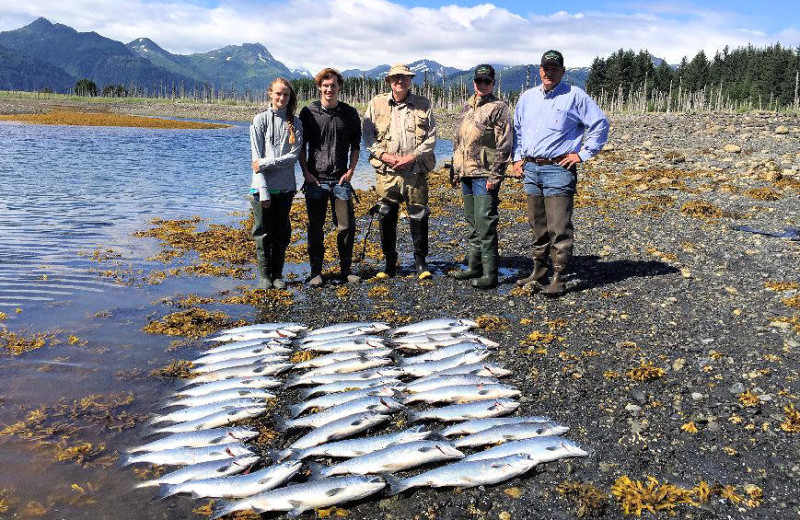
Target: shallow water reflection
[66, 194]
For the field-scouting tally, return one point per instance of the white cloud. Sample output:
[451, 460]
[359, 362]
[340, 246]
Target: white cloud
[365, 33]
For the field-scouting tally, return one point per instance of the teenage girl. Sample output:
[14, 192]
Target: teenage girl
[276, 138]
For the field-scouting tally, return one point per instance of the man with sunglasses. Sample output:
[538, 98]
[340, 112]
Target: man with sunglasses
[400, 134]
[481, 152]
[556, 127]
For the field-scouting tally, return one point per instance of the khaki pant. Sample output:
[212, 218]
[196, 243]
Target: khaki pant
[411, 188]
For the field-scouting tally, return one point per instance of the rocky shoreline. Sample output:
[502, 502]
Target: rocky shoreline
[673, 355]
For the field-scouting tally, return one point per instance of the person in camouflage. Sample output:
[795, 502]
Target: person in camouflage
[481, 153]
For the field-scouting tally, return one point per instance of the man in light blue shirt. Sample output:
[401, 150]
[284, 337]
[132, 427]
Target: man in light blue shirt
[556, 126]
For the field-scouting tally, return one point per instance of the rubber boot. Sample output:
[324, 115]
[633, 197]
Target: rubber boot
[559, 224]
[474, 269]
[537, 219]
[419, 236]
[486, 219]
[344, 214]
[263, 249]
[281, 236]
[316, 209]
[388, 229]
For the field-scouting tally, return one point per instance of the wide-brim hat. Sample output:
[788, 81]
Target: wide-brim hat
[399, 69]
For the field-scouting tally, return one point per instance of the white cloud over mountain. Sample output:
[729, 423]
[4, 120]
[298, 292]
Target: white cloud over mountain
[365, 33]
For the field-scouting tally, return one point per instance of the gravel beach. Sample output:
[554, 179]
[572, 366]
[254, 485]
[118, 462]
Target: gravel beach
[673, 355]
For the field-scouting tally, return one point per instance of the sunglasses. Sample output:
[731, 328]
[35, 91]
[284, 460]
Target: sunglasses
[482, 81]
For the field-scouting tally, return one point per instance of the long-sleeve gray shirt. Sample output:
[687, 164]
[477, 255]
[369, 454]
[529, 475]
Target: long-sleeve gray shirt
[276, 156]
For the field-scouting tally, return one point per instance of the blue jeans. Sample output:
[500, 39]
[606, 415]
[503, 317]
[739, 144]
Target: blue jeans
[328, 189]
[549, 180]
[477, 186]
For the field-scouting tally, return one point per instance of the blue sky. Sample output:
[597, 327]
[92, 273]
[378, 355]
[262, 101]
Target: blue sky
[365, 33]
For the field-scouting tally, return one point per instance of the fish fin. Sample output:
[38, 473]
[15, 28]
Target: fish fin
[293, 381]
[166, 490]
[394, 484]
[317, 470]
[282, 424]
[277, 455]
[125, 460]
[297, 511]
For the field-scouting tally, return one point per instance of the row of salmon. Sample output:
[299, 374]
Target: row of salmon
[434, 372]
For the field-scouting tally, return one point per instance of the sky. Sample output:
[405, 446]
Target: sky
[345, 34]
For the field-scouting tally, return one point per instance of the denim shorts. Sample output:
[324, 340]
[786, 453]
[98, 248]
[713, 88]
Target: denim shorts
[326, 189]
[549, 180]
[477, 186]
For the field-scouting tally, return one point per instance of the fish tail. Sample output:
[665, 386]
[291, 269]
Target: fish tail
[125, 460]
[282, 424]
[317, 470]
[166, 490]
[296, 409]
[222, 508]
[394, 485]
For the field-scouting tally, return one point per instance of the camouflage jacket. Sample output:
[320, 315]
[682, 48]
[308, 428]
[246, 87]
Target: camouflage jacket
[400, 128]
[483, 141]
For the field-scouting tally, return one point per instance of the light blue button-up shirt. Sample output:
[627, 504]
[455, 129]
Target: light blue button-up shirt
[553, 124]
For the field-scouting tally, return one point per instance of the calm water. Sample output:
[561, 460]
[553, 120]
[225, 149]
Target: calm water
[64, 193]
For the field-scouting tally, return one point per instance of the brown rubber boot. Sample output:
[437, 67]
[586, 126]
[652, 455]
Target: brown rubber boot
[559, 224]
[537, 219]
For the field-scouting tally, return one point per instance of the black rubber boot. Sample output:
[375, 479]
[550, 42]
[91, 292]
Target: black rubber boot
[316, 209]
[263, 249]
[486, 219]
[474, 269]
[537, 219]
[419, 236]
[388, 229]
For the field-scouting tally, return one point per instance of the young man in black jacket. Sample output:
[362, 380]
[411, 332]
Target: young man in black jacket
[332, 132]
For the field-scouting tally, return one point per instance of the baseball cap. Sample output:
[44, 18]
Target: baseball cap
[484, 71]
[554, 57]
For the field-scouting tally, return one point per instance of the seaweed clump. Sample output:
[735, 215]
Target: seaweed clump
[53, 429]
[590, 500]
[193, 322]
[18, 344]
[180, 368]
[647, 371]
[702, 209]
[489, 322]
[635, 497]
[792, 422]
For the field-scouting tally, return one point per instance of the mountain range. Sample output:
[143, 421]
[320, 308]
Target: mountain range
[54, 56]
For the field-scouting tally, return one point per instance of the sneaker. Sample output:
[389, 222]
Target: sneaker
[278, 283]
[264, 284]
[316, 281]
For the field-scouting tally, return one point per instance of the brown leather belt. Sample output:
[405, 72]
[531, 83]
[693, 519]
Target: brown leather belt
[543, 161]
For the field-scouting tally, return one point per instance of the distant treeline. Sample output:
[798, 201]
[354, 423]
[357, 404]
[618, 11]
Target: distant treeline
[745, 78]
[359, 90]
